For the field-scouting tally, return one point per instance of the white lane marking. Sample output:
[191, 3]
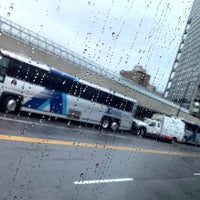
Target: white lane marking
[102, 181]
[17, 120]
[196, 174]
[32, 123]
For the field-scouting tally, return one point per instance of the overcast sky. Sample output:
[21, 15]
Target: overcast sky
[117, 34]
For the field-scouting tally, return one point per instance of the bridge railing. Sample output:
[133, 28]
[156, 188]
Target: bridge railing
[14, 30]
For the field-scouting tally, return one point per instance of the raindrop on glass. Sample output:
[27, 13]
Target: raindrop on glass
[97, 165]
[11, 7]
[113, 34]
[58, 9]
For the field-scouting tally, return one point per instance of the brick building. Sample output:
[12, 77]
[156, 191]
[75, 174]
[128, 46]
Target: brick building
[137, 75]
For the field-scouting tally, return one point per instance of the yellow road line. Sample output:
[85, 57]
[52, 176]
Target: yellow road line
[90, 145]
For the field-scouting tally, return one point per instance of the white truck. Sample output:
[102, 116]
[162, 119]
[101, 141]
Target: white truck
[168, 128]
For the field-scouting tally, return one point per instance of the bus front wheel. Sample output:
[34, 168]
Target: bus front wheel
[9, 104]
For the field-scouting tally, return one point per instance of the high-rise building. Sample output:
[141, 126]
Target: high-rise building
[183, 86]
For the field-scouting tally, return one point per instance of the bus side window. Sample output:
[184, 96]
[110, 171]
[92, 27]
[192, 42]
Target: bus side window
[2, 73]
[4, 62]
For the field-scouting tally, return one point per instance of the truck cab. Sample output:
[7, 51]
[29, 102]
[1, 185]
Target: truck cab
[153, 127]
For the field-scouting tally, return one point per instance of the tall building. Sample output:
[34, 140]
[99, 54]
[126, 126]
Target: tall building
[137, 75]
[183, 86]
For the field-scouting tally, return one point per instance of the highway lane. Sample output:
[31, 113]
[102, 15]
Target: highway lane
[54, 160]
[38, 126]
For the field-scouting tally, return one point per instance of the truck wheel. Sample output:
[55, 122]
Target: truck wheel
[141, 132]
[138, 132]
[173, 141]
[105, 123]
[9, 104]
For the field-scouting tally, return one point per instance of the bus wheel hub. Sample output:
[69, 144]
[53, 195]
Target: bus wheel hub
[11, 105]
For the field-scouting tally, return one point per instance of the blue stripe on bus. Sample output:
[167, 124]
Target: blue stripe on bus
[56, 100]
[56, 103]
[64, 75]
[44, 105]
[35, 103]
[64, 104]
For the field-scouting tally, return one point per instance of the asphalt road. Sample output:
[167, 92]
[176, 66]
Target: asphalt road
[46, 159]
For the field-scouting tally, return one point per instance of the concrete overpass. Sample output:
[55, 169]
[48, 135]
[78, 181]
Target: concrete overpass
[22, 41]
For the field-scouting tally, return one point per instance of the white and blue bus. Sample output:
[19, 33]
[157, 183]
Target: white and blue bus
[28, 86]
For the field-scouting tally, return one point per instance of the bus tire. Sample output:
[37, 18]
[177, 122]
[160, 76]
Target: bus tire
[114, 126]
[105, 124]
[9, 104]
